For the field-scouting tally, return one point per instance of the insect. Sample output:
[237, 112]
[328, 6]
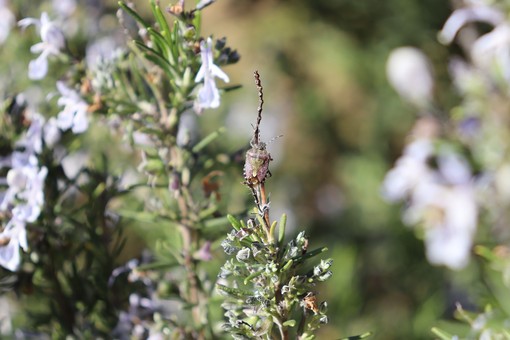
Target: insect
[256, 166]
[310, 302]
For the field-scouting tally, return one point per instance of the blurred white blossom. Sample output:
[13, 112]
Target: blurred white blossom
[23, 197]
[64, 7]
[410, 170]
[409, 72]
[490, 51]
[465, 15]
[74, 113]
[208, 95]
[26, 186]
[12, 237]
[441, 199]
[52, 43]
[51, 132]
[449, 242]
[7, 20]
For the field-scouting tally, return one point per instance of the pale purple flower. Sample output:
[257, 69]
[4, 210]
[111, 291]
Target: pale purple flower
[74, 114]
[204, 253]
[208, 95]
[52, 43]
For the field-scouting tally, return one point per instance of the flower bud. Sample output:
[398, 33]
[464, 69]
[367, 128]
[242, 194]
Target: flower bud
[409, 72]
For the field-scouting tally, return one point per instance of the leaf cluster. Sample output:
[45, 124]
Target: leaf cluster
[271, 283]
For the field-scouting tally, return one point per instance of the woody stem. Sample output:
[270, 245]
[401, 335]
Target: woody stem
[265, 209]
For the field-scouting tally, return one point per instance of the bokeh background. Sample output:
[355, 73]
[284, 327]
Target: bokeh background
[322, 64]
[323, 68]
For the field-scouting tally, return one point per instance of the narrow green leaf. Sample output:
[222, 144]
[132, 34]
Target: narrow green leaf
[158, 40]
[235, 223]
[163, 46]
[281, 229]
[203, 214]
[156, 57]
[197, 22]
[441, 334]
[272, 229]
[289, 323]
[208, 139]
[215, 223]
[357, 337]
[287, 265]
[235, 292]
[160, 18]
[132, 13]
[174, 38]
[253, 275]
[310, 254]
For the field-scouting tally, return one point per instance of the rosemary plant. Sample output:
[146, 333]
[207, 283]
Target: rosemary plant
[69, 226]
[174, 69]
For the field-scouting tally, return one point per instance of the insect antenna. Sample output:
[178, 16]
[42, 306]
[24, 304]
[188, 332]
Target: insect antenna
[274, 138]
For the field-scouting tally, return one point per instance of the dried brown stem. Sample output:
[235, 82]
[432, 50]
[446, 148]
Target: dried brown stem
[258, 83]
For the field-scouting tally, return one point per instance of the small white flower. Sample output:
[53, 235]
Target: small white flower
[52, 42]
[208, 95]
[74, 114]
[15, 236]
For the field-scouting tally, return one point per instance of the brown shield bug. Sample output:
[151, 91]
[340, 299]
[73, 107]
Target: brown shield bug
[256, 166]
